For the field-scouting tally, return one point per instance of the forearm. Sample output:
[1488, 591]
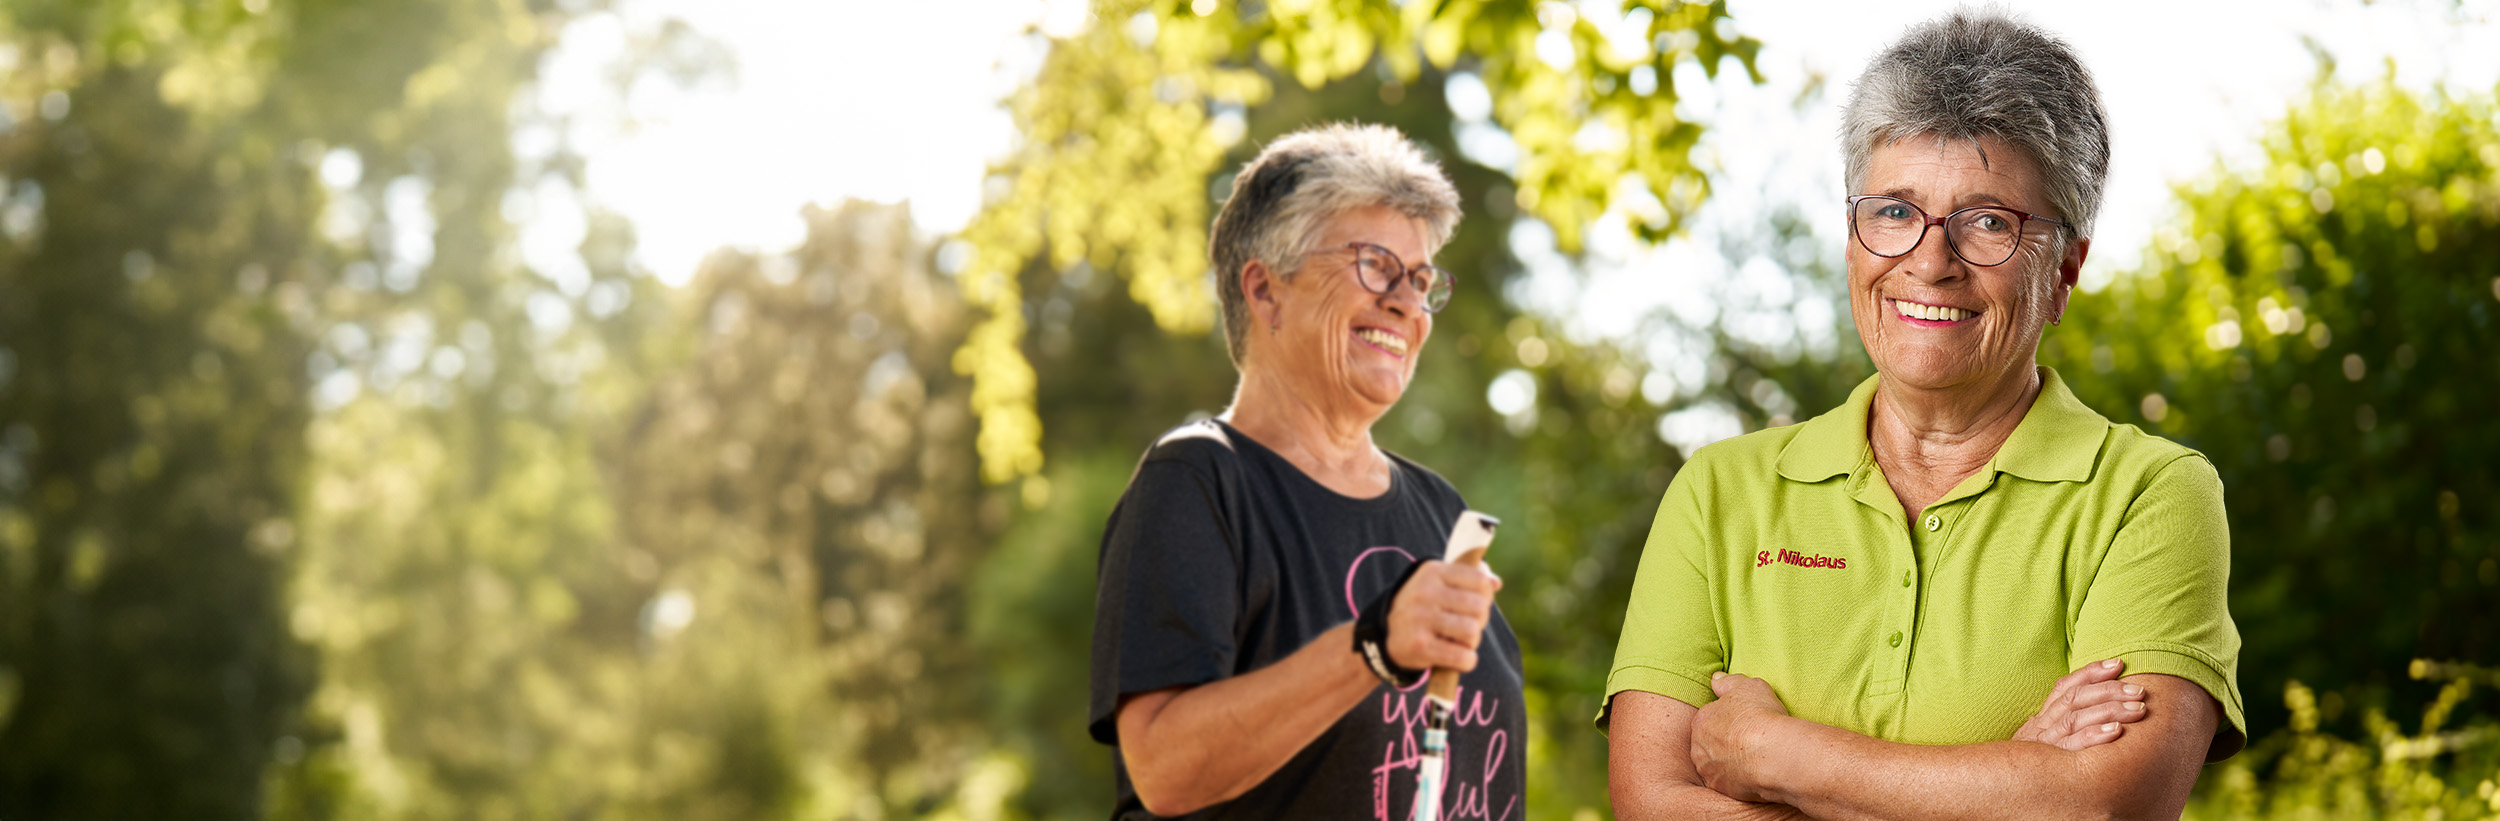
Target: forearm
[1213, 742]
[1674, 800]
[1649, 773]
[1837, 774]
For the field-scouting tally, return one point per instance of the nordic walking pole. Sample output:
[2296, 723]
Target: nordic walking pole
[1468, 541]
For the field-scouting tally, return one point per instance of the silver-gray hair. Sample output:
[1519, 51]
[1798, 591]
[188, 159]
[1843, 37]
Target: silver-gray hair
[1281, 200]
[1975, 74]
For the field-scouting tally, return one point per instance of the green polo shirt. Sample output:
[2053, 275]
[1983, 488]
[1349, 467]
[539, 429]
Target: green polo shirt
[1783, 554]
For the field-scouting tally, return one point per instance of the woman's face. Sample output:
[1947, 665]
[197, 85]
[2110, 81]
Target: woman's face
[1347, 345]
[1995, 338]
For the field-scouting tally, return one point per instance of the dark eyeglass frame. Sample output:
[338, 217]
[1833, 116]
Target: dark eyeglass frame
[2022, 219]
[1436, 291]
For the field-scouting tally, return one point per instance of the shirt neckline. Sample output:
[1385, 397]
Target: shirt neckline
[1397, 472]
[2059, 439]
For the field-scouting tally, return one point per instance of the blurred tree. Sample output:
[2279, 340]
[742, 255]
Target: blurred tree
[511, 625]
[812, 468]
[1130, 119]
[162, 280]
[2317, 325]
[264, 327]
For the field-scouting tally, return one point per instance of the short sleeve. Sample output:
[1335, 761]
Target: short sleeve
[2158, 601]
[1167, 594]
[1671, 639]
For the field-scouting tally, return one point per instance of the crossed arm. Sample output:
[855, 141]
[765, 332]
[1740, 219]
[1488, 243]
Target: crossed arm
[2087, 755]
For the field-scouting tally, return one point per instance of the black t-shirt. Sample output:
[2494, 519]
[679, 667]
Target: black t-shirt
[1223, 558]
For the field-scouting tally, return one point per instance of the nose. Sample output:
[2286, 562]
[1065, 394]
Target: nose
[1403, 298]
[1933, 260]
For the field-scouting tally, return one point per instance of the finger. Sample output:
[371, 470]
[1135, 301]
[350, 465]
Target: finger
[1435, 593]
[2091, 736]
[1454, 657]
[1425, 646]
[1475, 579]
[2065, 687]
[2088, 674]
[1466, 607]
[1442, 655]
[2107, 692]
[1465, 603]
[1459, 630]
[2123, 712]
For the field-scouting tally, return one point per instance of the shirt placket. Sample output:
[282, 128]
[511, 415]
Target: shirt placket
[1893, 636]
[1931, 539]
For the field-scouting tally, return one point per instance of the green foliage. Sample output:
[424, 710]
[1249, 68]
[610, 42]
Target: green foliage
[2317, 326]
[810, 468]
[159, 266]
[1124, 126]
[2309, 773]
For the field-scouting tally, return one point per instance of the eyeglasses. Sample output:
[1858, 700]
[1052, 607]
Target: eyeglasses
[1380, 271]
[1982, 235]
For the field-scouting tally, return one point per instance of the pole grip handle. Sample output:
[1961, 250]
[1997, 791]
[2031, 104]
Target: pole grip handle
[1469, 539]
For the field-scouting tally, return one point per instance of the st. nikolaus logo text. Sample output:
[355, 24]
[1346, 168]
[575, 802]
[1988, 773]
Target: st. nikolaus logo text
[1792, 557]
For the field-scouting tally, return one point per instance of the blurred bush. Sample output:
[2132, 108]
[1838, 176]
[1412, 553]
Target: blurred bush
[2319, 326]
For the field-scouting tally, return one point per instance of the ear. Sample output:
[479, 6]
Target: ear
[1261, 288]
[2069, 271]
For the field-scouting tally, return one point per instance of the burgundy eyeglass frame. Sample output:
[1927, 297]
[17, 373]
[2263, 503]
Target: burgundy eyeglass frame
[2020, 216]
[1406, 274]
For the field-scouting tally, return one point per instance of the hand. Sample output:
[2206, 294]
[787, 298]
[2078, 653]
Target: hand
[2089, 707]
[1439, 616]
[1730, 734]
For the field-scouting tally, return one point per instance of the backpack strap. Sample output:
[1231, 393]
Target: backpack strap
[1201, 429]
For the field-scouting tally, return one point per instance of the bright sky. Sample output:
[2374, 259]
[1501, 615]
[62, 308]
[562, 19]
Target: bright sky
[895, 101]
[892, 101]
[873, 99]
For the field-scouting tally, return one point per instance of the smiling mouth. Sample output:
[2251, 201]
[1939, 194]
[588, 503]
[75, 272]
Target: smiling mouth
[1931, 313]
[1383, 340]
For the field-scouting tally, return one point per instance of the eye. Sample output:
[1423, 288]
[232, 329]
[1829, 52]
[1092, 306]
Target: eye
[1371, 260]
[1991, 221]
[1893, 211]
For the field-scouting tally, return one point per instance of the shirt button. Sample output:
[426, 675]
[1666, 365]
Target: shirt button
[1905, 578]
[1896, 638]
[1933, 523]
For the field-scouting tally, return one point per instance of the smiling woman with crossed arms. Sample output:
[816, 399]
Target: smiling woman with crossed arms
[1867, 615]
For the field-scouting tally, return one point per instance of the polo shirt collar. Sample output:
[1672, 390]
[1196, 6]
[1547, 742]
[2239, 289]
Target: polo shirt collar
[1833, 444]
[2059, 440]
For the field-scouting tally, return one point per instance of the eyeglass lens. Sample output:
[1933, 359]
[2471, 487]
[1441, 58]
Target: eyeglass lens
[1381, 270]
[1981, 235]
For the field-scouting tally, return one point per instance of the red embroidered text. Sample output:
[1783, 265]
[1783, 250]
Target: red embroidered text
[1800, 560]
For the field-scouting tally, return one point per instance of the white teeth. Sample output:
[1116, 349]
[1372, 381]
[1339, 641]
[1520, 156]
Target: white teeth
[1915, 310]
[1383, 339]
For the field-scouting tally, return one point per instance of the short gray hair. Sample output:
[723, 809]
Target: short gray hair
[1975, 74]
[1282, 198]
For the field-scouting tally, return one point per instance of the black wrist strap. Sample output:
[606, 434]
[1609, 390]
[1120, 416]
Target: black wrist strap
[1371, 635]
